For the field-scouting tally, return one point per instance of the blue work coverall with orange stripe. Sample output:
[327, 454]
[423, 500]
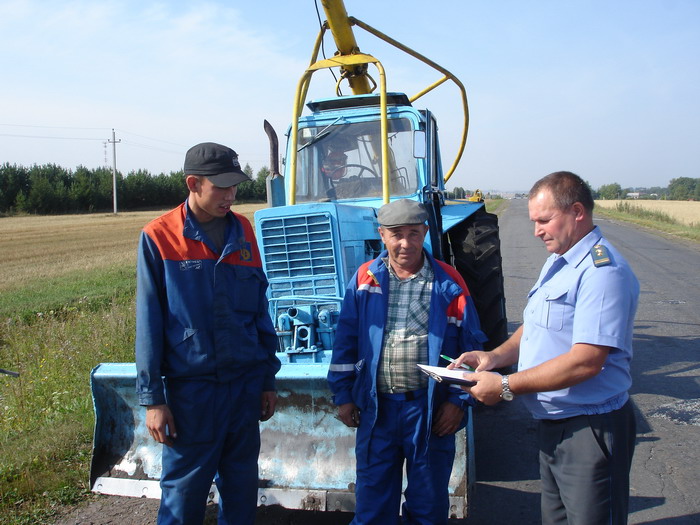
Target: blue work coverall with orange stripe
[453, 328]
[205, 346]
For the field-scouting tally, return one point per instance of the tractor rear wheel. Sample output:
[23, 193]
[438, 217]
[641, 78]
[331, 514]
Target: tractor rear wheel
[476, 250]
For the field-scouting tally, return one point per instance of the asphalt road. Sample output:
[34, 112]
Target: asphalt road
[665, 477]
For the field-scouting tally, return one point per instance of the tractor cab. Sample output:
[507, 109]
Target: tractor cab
[339, 155]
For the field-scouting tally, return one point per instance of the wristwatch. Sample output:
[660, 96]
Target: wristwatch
[506, 394]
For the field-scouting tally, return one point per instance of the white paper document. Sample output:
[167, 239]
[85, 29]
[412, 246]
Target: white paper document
[441, 374]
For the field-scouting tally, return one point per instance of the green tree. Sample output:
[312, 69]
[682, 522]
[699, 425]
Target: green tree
[48, 190]
[460, 193]
[21, 202]
[14, 181]
[261, 183]
[84, 189]
[657, 192]
[610, 191]
[176, 189]
[139, 190]
[250, 190]
[41, 198]
[594, 193]
[682, 188]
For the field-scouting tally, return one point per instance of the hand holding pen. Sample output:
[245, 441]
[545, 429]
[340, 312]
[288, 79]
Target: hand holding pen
[453, 361]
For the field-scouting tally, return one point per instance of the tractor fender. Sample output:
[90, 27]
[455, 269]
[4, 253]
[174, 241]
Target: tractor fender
[454, 214]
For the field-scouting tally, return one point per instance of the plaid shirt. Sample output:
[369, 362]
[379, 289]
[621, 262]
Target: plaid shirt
[406, 335]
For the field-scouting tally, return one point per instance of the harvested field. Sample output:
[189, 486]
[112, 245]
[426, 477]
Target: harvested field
[685, 212]
[38, 247]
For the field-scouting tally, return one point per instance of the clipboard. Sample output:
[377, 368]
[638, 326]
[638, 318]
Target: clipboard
[451, 377]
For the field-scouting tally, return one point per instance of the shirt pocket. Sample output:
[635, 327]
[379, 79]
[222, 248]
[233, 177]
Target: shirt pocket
[187, 350]
[192, 404]
[361, 385]
[554, 309]
[248, 286]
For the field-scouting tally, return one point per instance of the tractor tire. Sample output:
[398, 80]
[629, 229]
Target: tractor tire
[476, 252]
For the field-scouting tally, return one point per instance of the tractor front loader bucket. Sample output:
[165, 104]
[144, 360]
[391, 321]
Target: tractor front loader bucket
[306, 453]
[307, 457]
[126, 461]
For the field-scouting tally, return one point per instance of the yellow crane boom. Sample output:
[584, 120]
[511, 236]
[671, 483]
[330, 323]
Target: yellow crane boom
[353, 65]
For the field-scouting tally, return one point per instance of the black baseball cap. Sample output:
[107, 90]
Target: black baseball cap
[216, 162]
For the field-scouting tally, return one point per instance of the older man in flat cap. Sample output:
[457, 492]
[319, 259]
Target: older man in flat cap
[402, 309]
[205, 344]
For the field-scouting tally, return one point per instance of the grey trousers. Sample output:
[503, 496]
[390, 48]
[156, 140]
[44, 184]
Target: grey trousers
[584, 467]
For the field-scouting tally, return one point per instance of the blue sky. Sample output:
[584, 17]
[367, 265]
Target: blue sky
[607, 89]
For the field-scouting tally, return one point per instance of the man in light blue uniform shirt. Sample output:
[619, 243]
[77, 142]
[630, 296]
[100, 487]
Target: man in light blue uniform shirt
[573, 352]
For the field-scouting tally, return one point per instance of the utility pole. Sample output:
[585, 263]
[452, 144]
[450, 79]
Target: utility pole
[113, 142]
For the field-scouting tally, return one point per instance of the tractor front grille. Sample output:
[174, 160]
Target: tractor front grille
[299, 256]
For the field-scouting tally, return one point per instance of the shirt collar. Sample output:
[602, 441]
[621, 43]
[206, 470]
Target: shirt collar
[424, 271]
[193, 230]
[578, 252]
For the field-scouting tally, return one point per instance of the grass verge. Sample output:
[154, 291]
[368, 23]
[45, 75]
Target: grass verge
[88, 290]
[496, 206]
[46, 416]
[654, 219]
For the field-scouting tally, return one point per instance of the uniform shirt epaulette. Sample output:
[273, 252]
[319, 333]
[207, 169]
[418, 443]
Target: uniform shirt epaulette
[601, 256]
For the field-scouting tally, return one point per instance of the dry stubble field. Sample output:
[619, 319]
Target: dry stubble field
[38, 247]
[686, 212]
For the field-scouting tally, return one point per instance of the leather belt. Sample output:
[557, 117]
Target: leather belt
[404, 396]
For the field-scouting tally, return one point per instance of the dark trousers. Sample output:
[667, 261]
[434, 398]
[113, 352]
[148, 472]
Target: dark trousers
[218, 440]
[584, 466]
[398, 439]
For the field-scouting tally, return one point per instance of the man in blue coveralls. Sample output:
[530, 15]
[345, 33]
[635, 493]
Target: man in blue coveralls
[401, 309]
[205, 344]
[573, 353]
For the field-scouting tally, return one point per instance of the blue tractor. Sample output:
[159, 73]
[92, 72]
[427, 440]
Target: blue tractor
[345, 158]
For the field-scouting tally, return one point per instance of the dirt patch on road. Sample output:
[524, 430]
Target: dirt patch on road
[116, 510]
[113, 510]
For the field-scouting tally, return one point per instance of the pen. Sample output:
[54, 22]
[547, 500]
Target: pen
[466, 367]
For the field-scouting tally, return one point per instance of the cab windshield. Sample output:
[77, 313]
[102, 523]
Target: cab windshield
[344, 161]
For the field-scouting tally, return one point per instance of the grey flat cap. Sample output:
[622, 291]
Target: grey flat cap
[216, 162]
[402, 212]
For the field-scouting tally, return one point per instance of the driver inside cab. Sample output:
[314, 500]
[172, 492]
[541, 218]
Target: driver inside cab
[334, 164]
[345, 181]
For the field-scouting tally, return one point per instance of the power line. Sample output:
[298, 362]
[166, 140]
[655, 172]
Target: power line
[147, 146]
[46, 137]
[129, 142]
[151, 138]
[53, 137]
[123, 141]
[48, 127]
